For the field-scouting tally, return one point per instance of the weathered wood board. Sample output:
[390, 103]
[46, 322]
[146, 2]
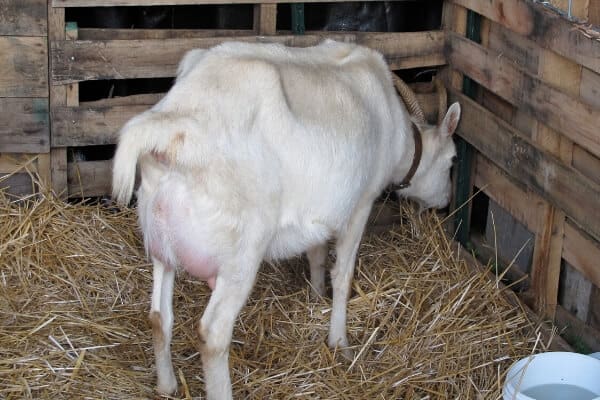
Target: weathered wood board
[25, 127]
[569, 115]
[502, 144]
[80, 60]
[23, 66]
[539, 24]
[23, 17]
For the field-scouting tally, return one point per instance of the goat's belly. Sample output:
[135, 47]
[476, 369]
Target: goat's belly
[292, 240]
[177, 237]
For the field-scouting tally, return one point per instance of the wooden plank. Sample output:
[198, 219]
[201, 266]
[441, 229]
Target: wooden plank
[537, 170]
[582, 252]
[570, 326]
[13, 162]
[522, 204]
[574, 118]
[594, 12]
[265, 19]
[545, 267]
[594, 317]
[79, 60]
[586, 163]
[590, 87]
[58, 98]
[23, 17]
[564, 75]
[25, 126]
[97, 123]
[18, 184]
[112, 3]
[44, 170]
[520, 50]
[541, 25]
[137, 99]
[145, 34]
[23, 66]
[89, 178]
[578, 8]
[83, 126]
[575, 292]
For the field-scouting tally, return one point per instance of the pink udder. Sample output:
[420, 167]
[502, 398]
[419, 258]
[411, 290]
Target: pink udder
[177, 240]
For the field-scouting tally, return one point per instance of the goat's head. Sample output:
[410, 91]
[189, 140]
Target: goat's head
[430, 186]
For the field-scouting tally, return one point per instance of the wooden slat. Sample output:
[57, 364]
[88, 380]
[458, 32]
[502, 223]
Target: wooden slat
[145, 34]
[23, 66]
[586, 163]
[520, 50]
[12, 162]
[548, 176]
[74, 61]
[23, 17]
[522, 204]
[582, 252]
[590, 87]
[265, 19]
[541, 25]
[579, 8]
[107, 3]
[97, 123]
[570, 325]
[89, 178]
[19, 185]
[545, 266]
[58, 98]
[25, 127]
[575, 119]
[83, 126]
[594, 12]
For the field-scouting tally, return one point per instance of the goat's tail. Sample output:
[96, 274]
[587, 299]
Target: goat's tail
[150, 131]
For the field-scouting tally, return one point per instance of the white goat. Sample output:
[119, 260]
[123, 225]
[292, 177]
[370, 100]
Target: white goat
[260, 151]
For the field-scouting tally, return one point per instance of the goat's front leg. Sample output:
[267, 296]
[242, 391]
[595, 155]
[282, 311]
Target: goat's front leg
[341, 276]
[233, 286]
[161, 318]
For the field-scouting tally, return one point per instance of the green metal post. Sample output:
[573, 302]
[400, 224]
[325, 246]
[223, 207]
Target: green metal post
[298, 27]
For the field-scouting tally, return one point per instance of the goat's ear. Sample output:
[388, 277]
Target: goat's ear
[450, 122]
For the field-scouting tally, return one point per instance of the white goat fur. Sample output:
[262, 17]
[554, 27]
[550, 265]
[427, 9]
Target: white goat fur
[260, 151]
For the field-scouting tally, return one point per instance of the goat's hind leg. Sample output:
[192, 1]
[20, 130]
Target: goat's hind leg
[161, 318]
[232, 288]
[317, 256]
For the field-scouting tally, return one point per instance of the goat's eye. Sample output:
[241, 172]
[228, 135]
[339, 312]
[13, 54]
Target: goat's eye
[454, 159]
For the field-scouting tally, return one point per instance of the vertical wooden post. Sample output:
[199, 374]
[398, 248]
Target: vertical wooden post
[594, 12]
[547, 257]
[265, 19]
[58, 98]
[547, 254]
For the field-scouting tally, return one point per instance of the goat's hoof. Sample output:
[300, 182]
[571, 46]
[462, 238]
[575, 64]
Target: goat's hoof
[341, 347]
[347, 353]
[168, 386]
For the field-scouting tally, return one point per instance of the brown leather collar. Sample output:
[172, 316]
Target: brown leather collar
[415, 163]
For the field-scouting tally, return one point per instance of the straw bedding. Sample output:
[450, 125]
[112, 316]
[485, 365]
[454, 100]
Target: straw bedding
[74, 297]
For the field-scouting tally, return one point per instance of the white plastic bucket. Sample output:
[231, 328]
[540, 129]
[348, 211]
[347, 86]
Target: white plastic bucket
[553, 376]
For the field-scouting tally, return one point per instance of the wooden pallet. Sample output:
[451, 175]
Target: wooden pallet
[25, 127]
[143, 53]
[535, 128]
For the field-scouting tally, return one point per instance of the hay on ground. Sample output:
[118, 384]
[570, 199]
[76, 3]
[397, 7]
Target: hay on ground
[74, 297]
